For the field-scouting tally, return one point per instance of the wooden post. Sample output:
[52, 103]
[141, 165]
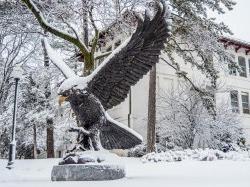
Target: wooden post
[50, 139]
[151, 111]
[34, 142]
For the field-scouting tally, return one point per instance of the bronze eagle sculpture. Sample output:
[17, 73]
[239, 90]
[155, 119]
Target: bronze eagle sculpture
[90, 97]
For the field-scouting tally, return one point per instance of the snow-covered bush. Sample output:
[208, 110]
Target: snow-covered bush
[184, 123]
[196, 155]
[138, 151]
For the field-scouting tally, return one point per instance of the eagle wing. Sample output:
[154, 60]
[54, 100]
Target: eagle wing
[112, 80]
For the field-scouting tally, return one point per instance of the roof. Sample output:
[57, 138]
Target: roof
[238, 44]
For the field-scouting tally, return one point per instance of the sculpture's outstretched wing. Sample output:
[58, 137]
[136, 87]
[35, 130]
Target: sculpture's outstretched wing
[111, 81]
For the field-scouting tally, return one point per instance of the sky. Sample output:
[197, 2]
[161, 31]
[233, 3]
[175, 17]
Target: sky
[238, 20]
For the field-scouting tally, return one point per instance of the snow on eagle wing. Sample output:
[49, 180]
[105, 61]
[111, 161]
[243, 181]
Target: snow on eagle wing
[112, 80]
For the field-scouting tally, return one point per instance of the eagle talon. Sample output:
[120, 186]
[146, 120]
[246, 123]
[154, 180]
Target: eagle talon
[76, 148]
[79, 130]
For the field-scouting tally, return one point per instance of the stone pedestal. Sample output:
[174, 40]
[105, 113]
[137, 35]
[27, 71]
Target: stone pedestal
[88, 166]
[87, 172]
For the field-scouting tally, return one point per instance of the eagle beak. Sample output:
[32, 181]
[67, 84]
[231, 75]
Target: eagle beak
[62, 99]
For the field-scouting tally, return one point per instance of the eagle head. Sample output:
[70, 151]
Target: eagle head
[71, 86]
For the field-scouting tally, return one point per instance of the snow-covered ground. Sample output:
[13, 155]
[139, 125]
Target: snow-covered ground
[196, 154]
[36, 173]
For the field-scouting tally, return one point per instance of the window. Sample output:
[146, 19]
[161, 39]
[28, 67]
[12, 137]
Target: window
[245, 102]
[234, 101]
[249, 66]
[232, 65]
[232, 69]
[243, 68]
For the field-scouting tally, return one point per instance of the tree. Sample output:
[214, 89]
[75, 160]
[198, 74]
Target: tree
[196, 36]
[96, 11]
[195, 39]
[184, 122]
[20, 43]
[13, 50]
[17, 46]
[89, 55]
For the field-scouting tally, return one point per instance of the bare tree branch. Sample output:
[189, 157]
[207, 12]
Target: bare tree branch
[95, 40]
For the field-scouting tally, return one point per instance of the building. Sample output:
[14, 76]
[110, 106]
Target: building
[236, 87]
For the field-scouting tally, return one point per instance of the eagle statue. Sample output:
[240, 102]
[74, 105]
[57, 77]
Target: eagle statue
[109, 84]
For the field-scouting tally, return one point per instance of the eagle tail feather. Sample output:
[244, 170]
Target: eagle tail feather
[117, 136]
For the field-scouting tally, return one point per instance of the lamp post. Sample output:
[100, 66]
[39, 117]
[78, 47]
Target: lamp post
[17, 73]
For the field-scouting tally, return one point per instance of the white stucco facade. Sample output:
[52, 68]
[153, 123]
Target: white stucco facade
[137, 103]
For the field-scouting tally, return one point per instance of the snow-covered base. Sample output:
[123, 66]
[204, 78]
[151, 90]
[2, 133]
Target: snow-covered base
[93, 157]
[88, 166]
[197, 154]
[220, 173]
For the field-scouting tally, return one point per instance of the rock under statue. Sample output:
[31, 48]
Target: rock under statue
[90, 97]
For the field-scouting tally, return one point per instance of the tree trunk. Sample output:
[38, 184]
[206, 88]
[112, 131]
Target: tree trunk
[151, 111]
[130, 109]
[50, 139]
[86, 70]
[35, 142]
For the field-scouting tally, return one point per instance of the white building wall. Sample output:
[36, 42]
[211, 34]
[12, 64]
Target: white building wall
[241, 84]
[167, 79]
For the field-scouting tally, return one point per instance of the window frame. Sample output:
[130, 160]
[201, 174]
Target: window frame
[245, 104]
[249, 66]
[235, 105]
[232, 70]
[243, 72]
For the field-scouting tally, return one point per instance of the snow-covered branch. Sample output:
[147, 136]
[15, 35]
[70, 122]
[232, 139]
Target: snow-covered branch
[101, 55]
[57, 60]
[45, 25]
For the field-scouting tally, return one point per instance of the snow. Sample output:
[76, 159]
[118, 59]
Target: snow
[196, 154]
[76, 82]
[58, 61]
[30, 173]
[103, 157]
